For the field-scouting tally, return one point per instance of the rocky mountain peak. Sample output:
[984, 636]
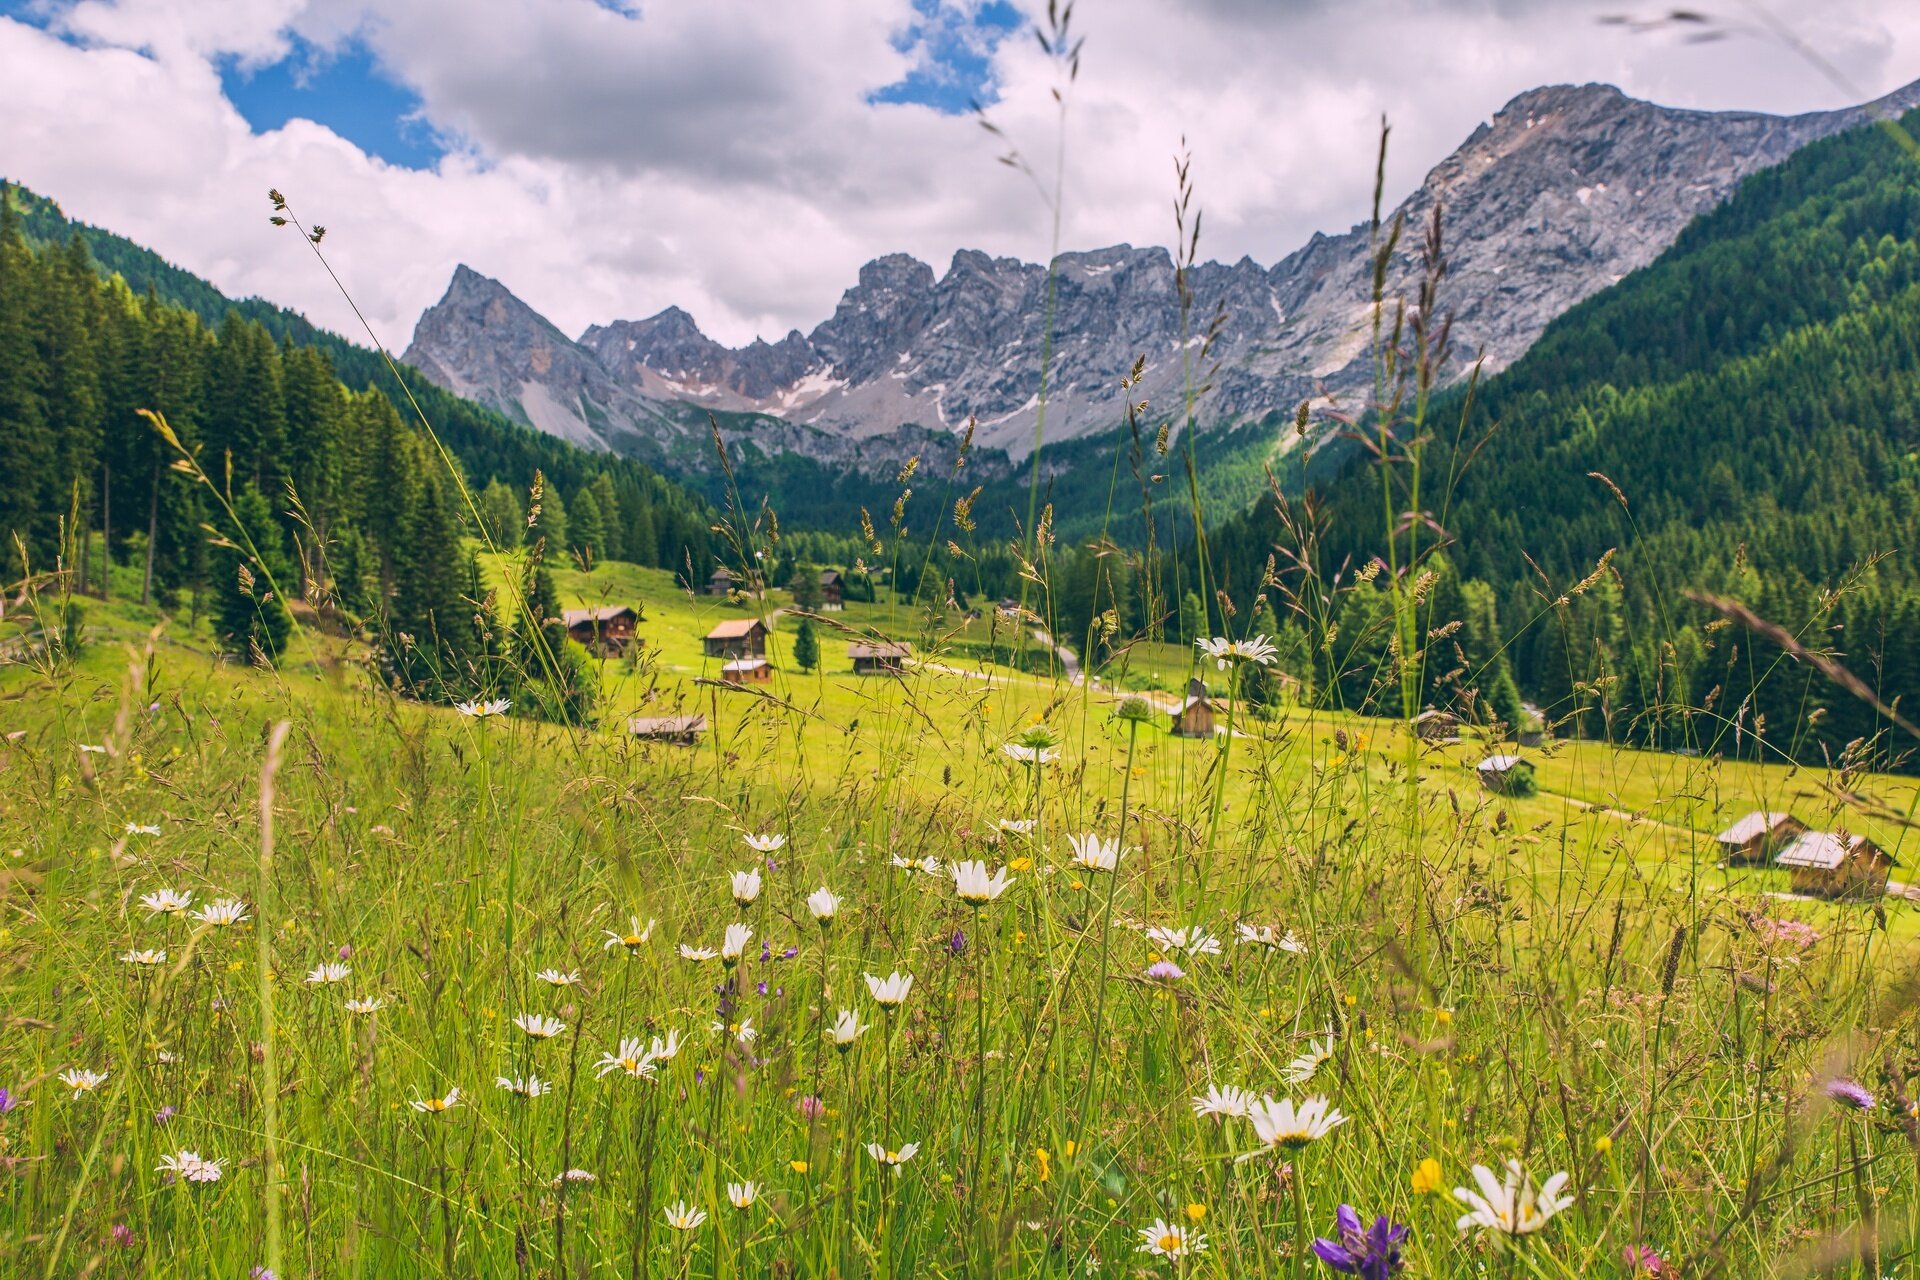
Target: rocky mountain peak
[1564, 189]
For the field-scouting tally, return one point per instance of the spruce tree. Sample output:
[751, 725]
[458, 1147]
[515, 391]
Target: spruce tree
[806, 646]
[250, 617]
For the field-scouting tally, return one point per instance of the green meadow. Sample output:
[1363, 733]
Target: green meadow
[1314, 906]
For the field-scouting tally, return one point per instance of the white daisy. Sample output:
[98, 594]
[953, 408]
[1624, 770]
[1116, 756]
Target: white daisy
[845, 1030]
[1230, 1101]
[81, 1080]
[930, 866]
[1017, 826]
[531, 1087]
[1225, 651]
[633, 939]
[1282, 1124]
[1094, 853]
[1192, 941]
[539, 1026]
[824, 904]
[974, 886]
[167, 902]
[1270, 937]
[366, 1006]
[143, 829]
[683, 1217]
[1308, 1064]
[742, 1194]
[765, 844]
[227, 911]
[143, 959]
[746, 885]
[1513, 1207]
[891, 991]
[629, 1057]
[327, 974]
[734, 944]
[555, 978]
[892, 1159]
[1031, 755]
[699, 955]
[436, 1106]
[1168, 1240]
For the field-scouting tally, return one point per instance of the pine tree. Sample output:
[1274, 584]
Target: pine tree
[1193, 619]
[27, 448]
[501, 514]
[250, 615]
[806, 646]
[612, 533]
[586, 534]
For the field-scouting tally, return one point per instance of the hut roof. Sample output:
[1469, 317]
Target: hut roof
[1757, 823]
[891, 650]
[829, 576]
[1432, 713]
[743, 664]
[604, 613]
[736, 629]
[1826, 850]
[1499, 764]
[665, 726]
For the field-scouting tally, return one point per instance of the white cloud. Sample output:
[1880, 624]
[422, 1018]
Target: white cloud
[721, 154]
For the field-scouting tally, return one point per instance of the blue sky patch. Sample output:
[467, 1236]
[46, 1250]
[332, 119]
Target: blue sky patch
[952, 47]
[343, 89]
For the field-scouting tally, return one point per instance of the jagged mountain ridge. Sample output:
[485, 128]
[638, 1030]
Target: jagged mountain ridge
[1563, 192]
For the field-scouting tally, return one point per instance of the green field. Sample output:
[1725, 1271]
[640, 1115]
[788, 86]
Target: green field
[1568, 980]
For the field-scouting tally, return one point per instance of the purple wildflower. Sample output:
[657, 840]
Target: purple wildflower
[957, 943]
[7, 1101]
[262, 1273]
[766, 953]
[810, 1107]
[1848, 1093]
[1643, 1261]
[164, 1114]
[123, 1235]
[790, 953]
[1370, 1252]
[1165, 971]
[346, 951]
[761, 986]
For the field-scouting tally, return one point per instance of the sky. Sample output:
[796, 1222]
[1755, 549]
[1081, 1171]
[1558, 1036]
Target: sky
[741, 159]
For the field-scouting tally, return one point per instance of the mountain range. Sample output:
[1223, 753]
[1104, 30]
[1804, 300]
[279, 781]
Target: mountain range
[1565, 191]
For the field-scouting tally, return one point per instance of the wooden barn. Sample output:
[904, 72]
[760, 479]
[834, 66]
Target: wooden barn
[833, 591]
[607, 630]
[747, 671]
[1752, 841]
[722, 582]
[879, 659]
[680, 731]
[737, 638]
[1836, 864]
[1436, 726]
[1504, 774]
[1194, 717]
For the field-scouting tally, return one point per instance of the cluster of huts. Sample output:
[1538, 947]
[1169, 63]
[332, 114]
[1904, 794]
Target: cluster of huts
[1827, 864]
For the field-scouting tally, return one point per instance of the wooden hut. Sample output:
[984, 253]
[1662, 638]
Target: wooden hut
[1754, 839]
[747, 671]
[680, 731]
[737, 638]
[879, 659]
[1436, 726]
[1505, 774]
[721, 583]
[1193, 718]
[833, 591]
[607, 630]
[1836, 864]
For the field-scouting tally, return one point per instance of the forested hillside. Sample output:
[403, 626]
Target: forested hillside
[657, 522]
[283, 479]
[1754, 397]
